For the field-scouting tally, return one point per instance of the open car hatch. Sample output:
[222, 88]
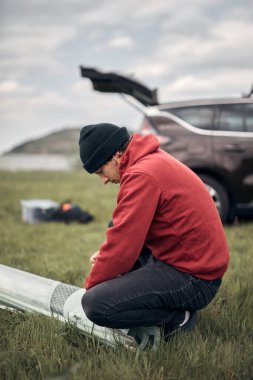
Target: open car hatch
[111, 82]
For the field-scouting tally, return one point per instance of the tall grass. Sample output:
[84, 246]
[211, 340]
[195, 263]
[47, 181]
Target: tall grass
[36, 347]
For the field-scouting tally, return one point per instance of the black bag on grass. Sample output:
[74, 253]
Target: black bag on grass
[69, 212]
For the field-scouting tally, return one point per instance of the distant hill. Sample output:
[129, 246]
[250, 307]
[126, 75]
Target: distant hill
[64, 141]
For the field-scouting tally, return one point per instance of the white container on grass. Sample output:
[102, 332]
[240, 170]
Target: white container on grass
[33, 209]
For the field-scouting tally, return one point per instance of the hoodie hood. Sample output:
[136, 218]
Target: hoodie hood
[138, 148]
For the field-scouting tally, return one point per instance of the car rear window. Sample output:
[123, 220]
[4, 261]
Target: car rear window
[248, 114]
[234, 118]
[200, 117]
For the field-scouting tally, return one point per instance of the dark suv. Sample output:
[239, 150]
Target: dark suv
[212, 137]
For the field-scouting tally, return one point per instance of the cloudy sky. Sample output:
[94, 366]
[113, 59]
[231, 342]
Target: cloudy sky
[187, 49]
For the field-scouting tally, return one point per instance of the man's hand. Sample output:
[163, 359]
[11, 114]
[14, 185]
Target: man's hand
[94, 257]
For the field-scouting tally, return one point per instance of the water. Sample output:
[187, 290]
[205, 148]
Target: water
[22, 161]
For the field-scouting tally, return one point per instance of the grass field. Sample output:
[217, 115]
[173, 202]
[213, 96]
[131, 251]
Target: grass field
[36, 347]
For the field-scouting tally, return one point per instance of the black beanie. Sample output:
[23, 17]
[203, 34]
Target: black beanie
[98, 143]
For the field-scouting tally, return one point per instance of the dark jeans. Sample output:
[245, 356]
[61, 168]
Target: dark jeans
[152, 294]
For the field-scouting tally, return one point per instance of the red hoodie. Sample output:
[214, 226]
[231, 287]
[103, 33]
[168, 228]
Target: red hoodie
[161, 203]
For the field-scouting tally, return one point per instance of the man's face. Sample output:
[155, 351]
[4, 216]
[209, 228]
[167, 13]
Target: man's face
[109, 172]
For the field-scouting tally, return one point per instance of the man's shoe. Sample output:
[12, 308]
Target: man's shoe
[187, 325]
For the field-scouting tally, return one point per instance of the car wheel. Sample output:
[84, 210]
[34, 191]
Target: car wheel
[220, 198]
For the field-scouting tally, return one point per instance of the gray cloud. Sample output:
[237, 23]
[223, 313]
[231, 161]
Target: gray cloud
[187, 49]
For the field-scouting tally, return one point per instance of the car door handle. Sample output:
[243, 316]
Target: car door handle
[237, 148]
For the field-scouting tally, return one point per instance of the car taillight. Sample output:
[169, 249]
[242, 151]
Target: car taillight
[147, 129]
